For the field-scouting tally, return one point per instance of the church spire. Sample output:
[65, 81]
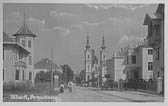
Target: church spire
[103, 43]
[87, 44]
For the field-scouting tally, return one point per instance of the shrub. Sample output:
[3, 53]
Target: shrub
[18, 87]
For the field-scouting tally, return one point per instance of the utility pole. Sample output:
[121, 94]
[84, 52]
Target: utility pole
[51, 87]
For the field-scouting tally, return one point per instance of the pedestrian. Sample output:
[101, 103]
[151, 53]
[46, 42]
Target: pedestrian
[62, 87]
[70, 86]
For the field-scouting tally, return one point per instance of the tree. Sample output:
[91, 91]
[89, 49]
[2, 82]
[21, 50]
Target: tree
[40, 77]
[68, 73]
[107, 76]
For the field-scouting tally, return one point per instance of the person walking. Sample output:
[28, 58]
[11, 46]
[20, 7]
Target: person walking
[62, 87]
[70, 86]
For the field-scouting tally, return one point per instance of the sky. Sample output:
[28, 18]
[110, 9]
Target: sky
[64, 27]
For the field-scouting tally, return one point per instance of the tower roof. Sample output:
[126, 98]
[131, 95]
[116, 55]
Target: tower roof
[24, 30]
[87, 44]
[6, 38]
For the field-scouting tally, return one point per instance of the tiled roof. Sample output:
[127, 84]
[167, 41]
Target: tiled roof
[45, 63]
[24, 30]
[6, 38]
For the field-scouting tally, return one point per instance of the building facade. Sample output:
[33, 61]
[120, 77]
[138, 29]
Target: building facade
[117, 71]
[139, 62]
[18, 55]
[155, 24]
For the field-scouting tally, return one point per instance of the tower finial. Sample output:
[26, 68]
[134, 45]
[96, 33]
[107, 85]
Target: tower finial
[87, 44]
[103, 43]
[24, 16]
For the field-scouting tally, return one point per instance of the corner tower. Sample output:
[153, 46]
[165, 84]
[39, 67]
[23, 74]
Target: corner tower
[25, 38]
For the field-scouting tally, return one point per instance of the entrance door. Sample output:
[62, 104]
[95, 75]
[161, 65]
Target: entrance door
[136, 75]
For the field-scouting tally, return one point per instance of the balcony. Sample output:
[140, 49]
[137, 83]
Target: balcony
[20, 64]
[154, 40]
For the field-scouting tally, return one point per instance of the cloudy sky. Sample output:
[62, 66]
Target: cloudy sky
[65, 27]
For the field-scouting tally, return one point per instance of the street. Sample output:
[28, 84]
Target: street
[84, 94]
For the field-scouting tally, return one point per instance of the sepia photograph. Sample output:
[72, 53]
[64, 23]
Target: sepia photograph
[83, 52]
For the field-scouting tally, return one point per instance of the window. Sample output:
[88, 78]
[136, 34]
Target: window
[23, 75]
[133, 59]
[20, 55]
[157, 28]
[15, 56]
[127, 60]
[23, 43]
[29, 44]
[88, 56]
[3, 74]
[150, 66]
[3, 53]
[150, 29]
[150, 51]
[17, 74]
[104, 56]
[30, 75]
[30, 60]
[158, 74]
[157, 54]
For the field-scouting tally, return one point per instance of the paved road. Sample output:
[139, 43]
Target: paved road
[84, 94]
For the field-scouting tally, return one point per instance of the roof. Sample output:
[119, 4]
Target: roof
[160, 8]
[149, 17]
[6, 38]
[24, 30]
[18, 46]
[45, 63]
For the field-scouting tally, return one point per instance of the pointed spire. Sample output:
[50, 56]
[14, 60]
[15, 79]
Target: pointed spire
[103, 43]
[87, 44]
[24, 30]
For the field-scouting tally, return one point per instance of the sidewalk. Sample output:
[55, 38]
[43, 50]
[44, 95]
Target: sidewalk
[134, 96]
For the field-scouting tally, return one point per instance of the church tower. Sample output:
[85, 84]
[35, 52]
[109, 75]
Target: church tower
[103, 57]
[88, 60]
[25, 38]
[103, 54]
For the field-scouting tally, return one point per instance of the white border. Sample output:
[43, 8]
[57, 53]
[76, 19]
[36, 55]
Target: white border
[87, 1]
